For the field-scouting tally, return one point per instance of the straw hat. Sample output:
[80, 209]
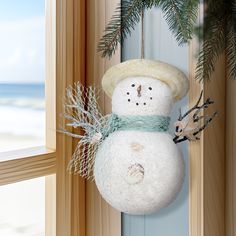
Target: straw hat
[173, 77]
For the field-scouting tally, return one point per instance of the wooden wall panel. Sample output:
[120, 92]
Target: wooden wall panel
[230, 157]
[70, 67]
[195, 157]
[207, 156]
[207, 165]
[214, 157]
[101, 219]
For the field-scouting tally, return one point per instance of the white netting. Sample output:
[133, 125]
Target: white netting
[83, 113]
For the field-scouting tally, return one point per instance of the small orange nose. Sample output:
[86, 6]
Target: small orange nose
[139, 90]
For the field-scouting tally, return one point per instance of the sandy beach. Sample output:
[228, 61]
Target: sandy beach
[10, 142]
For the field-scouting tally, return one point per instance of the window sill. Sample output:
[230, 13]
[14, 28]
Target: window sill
[26, 164]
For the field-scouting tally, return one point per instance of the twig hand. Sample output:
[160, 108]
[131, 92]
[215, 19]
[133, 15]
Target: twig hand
[191, 123]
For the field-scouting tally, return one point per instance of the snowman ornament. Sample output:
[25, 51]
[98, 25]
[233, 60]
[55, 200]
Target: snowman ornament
[137, 167]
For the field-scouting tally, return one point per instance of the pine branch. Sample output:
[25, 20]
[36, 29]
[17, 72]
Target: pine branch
[127, 15]
[233, 7]
[231, 52]
[181, 17]
[213, 46]
[231, 41]
[217, 34]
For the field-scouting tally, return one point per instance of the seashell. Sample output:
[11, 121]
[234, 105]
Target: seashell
[135, 174]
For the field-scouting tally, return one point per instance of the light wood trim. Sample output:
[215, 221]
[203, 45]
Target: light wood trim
[70, 64]
[207, 157]
[101, 218]
[50, 205]
[78, 214]
[50, 74]
[230, 157]
[214, 157]
[195, 157]
[27, 164]
[50, 98]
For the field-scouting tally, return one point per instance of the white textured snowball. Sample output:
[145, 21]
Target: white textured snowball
[155, 97]
[139, 172]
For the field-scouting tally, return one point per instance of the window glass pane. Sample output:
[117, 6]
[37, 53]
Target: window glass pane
[22, 69]
[22, 208]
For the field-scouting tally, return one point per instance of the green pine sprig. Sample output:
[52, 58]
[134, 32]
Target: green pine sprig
[217, 35]
[125, 18]
[212, 46]
[179, 14]
[218, 38]
[231, 52]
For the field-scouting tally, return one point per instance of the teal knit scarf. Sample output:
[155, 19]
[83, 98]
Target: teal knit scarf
[151, 123]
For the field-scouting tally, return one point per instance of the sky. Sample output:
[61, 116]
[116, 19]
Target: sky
[22, 41]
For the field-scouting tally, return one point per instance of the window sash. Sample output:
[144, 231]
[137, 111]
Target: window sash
[26, 164]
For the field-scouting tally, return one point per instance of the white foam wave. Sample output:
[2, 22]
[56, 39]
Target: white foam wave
[33, 103]
[22, 121]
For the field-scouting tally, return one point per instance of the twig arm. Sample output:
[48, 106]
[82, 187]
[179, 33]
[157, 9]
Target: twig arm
[189, 130]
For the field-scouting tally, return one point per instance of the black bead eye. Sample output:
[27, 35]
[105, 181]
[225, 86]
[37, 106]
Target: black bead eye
[128, 100]
[150, 98]
[150, 88]
[136, 104]
[144, 104]
[133, 85]
[127, 93]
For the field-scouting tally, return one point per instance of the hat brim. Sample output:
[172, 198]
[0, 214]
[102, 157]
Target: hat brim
[172, 76]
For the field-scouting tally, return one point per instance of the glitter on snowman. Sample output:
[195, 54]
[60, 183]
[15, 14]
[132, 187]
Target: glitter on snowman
[136, 165]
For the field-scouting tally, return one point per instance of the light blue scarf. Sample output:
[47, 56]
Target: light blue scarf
[151, 123]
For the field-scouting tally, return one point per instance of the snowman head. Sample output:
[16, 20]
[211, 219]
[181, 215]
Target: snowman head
[142, 96]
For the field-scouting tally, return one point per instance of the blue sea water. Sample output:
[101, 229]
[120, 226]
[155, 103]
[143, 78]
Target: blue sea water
[22, 95]
[22, 90]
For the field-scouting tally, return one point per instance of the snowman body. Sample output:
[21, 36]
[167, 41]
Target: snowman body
[139, 172]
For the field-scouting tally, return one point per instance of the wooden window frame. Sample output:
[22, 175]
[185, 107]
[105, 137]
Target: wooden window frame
[73, 30]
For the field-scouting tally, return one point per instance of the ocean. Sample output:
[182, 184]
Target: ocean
[22, 116]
